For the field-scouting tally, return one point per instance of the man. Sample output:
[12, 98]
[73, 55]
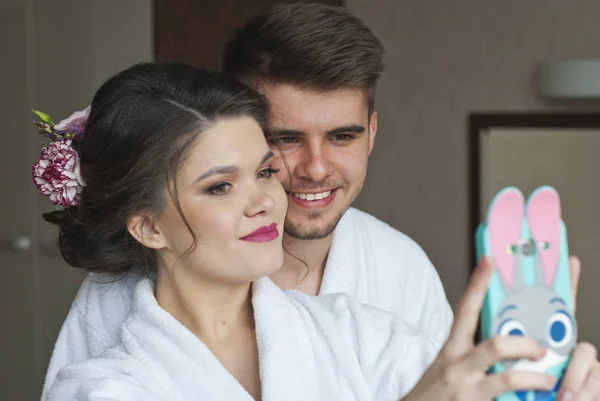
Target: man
[318, 67]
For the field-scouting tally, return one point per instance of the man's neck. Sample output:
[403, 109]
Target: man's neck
[303, 264]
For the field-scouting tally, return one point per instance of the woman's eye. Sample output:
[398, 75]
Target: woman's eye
[220, 189]
[267, 173]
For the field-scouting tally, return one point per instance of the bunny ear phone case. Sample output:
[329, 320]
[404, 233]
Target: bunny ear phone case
[530, 291]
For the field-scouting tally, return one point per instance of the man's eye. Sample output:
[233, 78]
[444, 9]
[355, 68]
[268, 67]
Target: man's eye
[219, 189]
[343, 137]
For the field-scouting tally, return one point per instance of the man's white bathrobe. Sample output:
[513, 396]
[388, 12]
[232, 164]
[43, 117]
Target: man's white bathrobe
[310, 348]
[368, 259]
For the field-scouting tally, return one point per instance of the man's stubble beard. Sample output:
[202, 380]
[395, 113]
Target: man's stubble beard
[307, 234]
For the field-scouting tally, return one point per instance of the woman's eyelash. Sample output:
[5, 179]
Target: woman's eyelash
[216, 189]
[269, 170]
[223, 188]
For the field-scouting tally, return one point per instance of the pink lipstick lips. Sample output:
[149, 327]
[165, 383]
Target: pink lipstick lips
[263, 234]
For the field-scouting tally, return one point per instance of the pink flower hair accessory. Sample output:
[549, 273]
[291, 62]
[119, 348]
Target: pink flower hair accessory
[56, 174]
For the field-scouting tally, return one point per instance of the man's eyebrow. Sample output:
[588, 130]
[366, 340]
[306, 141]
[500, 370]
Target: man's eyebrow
[346, 129]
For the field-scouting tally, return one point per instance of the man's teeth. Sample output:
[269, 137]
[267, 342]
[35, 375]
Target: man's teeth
[312, 197]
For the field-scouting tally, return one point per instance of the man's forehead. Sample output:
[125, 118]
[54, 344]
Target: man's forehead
[275, 91]
[292, 107]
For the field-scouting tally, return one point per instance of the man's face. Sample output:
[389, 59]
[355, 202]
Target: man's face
[322, 141]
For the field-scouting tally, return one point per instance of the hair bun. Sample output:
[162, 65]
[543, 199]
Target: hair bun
[72, 239]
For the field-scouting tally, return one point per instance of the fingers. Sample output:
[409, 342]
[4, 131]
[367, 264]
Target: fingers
[501, 348]
[513, 380]
[467, 312]
[575, 270]
[582, 362]
[591, 387]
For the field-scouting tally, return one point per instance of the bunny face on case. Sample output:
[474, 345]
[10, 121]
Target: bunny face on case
[539, 313]
[532, 291]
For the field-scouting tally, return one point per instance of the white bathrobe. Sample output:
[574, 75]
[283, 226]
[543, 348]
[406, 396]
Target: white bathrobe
[310, 348]
[368, 259]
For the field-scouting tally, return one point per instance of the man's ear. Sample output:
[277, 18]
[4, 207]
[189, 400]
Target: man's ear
[372, 131]
[146, 231]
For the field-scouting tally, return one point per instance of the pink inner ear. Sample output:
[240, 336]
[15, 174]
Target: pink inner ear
[505, 220]
[544, 217]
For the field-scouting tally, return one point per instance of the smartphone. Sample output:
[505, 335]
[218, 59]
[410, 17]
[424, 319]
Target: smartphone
[529, 293]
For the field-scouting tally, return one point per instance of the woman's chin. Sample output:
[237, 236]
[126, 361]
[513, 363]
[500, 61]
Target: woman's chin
[266, 264]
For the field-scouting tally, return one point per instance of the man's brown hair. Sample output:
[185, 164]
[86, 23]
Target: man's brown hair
[312, 46]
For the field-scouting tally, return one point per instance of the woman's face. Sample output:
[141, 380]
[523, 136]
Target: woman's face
[233, 204]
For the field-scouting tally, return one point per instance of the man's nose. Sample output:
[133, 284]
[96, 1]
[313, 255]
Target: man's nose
[314, 163]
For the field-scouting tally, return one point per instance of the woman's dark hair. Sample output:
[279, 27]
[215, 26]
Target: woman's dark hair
[141, 122]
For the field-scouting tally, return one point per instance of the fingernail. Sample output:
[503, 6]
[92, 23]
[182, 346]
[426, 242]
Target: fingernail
[566, 396]
[485, 264]
[542, 353]
[551, 381]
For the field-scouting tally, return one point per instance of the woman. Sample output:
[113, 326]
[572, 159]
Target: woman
[176, 179]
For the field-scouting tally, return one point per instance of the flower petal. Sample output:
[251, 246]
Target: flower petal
[79, 118]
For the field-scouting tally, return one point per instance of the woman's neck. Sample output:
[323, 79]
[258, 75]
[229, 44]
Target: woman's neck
[213, 311]
[221, 315]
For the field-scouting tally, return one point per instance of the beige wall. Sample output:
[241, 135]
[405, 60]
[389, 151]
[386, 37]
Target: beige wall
[75, 46]
[55, 53]
[446, 59]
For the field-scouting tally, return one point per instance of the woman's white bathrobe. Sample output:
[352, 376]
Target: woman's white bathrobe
[368, 259]
[310, 348]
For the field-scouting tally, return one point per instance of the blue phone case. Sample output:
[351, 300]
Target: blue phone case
[530, 290]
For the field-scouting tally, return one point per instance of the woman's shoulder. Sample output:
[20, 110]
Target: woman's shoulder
[115, 375]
